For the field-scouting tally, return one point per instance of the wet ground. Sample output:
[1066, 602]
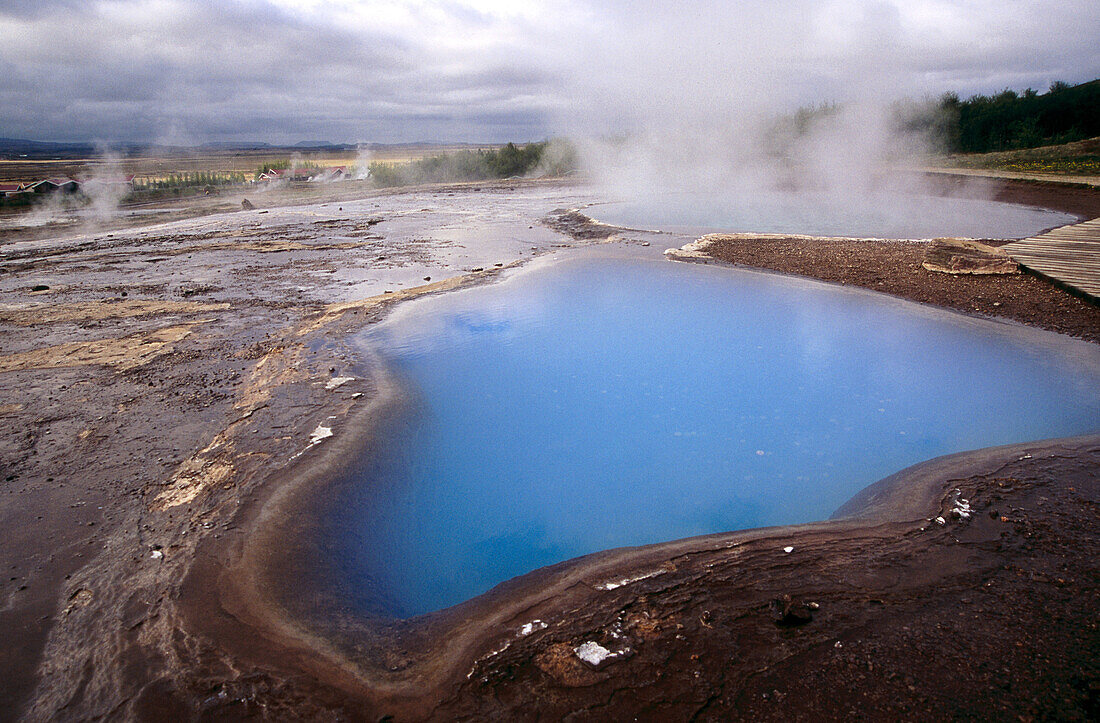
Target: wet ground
[162, 384]
[139, 366]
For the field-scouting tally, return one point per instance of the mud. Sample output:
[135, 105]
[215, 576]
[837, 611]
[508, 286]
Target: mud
[159, 397]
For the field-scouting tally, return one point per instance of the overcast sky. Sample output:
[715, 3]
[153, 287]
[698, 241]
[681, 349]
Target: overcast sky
[283, 71]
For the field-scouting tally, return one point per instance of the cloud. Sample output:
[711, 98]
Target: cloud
[254, 70]
[489, 70]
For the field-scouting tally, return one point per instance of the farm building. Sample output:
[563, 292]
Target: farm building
[332, 173]
[273, 175]
[303, 174]
[55, 185]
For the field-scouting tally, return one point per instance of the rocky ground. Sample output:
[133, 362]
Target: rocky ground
[988, 616]
[152, 376]
[162, 384]
[896, 267]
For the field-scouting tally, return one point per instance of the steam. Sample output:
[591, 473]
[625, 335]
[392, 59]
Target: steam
[54, 209]
[723, 99]
[102, 188]
[361, 170]
[105, 187]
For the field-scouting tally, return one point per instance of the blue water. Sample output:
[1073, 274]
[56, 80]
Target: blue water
[592, 403]
[881, 215]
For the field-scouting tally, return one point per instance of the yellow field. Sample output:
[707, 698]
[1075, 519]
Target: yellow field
[1081, 158]
[152, 168]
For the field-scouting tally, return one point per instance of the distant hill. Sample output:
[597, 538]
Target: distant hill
[23, 149]
[16, 147]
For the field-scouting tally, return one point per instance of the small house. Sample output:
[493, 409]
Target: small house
[55, 185]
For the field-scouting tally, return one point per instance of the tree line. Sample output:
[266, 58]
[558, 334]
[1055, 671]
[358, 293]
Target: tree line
[552, 158]
[1011, 120]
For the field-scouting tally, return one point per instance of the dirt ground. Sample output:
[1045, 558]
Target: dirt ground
[894, 267]
[989, 617]
[165, 387]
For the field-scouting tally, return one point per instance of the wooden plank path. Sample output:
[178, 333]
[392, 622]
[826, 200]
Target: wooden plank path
[1069, 256]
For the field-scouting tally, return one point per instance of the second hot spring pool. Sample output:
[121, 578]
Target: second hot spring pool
[888, 215]
[598, 401]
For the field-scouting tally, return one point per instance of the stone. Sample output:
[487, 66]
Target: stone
[787, 613]
[960, 256]
[247, 205]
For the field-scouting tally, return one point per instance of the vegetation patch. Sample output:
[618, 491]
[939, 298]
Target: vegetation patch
[1011, 120]
[545, 158]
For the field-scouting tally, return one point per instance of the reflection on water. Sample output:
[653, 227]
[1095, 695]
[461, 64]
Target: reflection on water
[590, 404]
[884, 215]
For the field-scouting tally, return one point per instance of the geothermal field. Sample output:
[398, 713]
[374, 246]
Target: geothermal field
[706, 364]
[232, 436]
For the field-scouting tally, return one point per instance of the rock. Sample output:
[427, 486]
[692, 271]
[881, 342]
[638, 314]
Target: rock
[593, 653]
[194, 288]
[598, 657]
[958, 256]
[247, 205]
[577, 225]
[787, 613]
[561, 663]
[40, 287]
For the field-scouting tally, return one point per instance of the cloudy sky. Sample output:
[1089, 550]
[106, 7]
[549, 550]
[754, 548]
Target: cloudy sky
[283, 71]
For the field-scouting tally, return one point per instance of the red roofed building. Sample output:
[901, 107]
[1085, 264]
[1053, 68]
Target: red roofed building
[304, 174]
[55, 185]
[274, 174]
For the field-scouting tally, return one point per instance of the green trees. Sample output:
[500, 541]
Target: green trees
[190, 180]
[1008, 120]
[272, 166]
[511, 160]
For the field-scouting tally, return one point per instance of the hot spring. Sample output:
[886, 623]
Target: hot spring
[883, 215]
[597, 400]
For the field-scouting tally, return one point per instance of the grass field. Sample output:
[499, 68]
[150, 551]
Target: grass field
[151, 168]
[1081, 158]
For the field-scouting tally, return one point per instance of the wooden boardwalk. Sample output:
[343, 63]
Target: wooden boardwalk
[1069, 256]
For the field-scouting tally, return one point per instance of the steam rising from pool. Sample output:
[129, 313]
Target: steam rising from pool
[828, 99]
[596, 402]
[816, 214]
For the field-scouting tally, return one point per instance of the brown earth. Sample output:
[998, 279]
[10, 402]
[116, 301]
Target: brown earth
[895, 267]
[991, 617]
[143, 479]
[1080, 200]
